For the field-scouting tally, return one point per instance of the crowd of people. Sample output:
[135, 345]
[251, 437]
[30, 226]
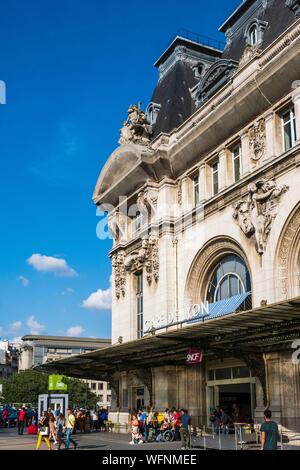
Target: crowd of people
[149, 425]
[223, 421]
[57, 428]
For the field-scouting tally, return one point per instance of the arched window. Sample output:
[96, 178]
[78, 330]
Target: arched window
[230, 277]
[253, 35]
[254, 32]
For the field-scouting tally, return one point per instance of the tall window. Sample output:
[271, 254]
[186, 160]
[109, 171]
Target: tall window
[253, 35]
[196, 191]
[136, 224]
[139, 303]
[237, 162]
[215, 177]
[288, 129]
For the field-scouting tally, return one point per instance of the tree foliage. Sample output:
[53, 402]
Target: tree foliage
[26, 386]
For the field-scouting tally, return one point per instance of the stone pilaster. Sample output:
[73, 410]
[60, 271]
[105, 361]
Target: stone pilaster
[296, 101]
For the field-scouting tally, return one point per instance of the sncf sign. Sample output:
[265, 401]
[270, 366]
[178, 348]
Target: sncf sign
[194, 356]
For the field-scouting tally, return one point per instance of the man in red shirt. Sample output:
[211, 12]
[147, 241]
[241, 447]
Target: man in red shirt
[21, 420]
[5, 416]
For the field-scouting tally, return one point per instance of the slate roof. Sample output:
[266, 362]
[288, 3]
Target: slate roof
[277, 15]
[175, 98]
[173, 90]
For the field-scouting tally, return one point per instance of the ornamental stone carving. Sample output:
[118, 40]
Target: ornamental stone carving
[117, 224]
[146, 257]
[119, 273]
[249, 53]
[136, 128]
[256, 212]
[147, 200]
[257, 140]
[288, 256]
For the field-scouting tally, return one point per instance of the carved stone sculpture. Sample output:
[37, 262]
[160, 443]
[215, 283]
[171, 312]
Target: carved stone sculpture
[248, 54]
[257, 140]
[117, 224]
[255, 213]
[147, 202]
[119, 273]
[146, 257]
[136, 128]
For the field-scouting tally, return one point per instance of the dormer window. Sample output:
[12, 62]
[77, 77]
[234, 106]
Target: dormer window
[253, 35]
[199, 70]
[152, 112]
[254, 32]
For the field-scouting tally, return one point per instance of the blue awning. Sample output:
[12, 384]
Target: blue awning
[223, 307]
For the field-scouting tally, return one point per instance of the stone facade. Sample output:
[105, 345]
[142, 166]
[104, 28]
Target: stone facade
[193, 222]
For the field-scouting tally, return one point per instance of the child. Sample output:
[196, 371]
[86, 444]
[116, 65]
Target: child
[135, 431]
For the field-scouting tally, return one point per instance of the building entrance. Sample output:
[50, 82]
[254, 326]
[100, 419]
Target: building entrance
[234, 389]
[139, 398]
[236, 396]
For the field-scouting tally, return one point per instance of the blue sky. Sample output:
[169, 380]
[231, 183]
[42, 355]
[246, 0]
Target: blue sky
[71, 68]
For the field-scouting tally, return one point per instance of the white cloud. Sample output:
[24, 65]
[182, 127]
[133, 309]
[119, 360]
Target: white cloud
[24, 281]
[68, 291]
[99, 300]
[58, 266]
[16, 339]
[35, 327]
[15, 326]
[75, 331]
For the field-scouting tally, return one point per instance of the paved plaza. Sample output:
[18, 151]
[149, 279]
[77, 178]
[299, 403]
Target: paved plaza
[9, 440]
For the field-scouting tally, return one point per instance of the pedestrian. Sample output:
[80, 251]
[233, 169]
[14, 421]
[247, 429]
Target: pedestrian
[175, 423]
[94, 420]
[143, 418]
[185, 421]
[61, 422]
[5, 416]
[52, 431]
[269, 432]
[44, 431]
[225, 421]
[57, 412]
[136, 437]
[215, 421]
[21, 420]
[70, 429]
[167, 416]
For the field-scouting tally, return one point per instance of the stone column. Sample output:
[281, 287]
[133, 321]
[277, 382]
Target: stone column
[223, 170]
[245, 154]
[187, 193]
[296, 101]
[203, 183]
[270, 151]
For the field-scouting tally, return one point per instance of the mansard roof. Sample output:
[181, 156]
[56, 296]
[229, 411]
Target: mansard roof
[173, 94]
[274, 13]
[176, 91]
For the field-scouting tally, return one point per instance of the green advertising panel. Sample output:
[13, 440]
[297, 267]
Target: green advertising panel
[56, 382]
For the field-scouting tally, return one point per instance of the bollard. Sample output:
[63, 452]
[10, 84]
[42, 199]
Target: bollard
[281, 439]
[220, 443]
[204, 438]
[235, 437]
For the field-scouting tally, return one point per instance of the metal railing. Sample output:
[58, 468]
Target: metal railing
[239, 436]
[201, 39]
